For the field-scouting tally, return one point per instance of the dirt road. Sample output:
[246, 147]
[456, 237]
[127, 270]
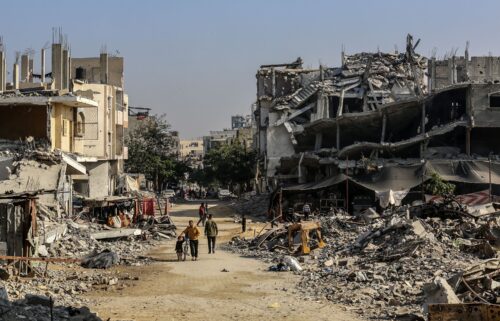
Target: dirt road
[170, 290]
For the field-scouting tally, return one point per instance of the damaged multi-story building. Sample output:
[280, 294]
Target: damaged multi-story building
[78, 109]
[381, 121]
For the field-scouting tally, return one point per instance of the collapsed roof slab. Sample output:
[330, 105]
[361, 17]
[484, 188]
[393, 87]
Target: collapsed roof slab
[358, 148]
[72, 101]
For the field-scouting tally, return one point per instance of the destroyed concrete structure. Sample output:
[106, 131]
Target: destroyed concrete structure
[79, 108]
[383, 121]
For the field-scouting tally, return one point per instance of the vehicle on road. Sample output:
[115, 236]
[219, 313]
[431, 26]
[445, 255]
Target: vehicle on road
[168, 193]
[224, 194]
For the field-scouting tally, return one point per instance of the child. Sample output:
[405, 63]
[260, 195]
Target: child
[178, 247]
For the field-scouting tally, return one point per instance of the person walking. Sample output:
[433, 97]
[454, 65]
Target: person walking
[307, 211]
[211, 232]
[243, 223]
[178, 248]
[192, 233]
[201, 214]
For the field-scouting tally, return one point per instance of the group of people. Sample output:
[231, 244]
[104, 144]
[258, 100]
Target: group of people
[190, 236]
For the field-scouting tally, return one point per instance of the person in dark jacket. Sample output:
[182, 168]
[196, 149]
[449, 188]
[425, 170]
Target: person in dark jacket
[178, 247]
[202, 214]
[211, 232]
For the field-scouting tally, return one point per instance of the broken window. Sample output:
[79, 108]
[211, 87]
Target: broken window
[495, 100]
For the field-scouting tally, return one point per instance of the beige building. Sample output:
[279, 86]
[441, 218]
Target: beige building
[100, 130]
[191, 148]
[79, 108]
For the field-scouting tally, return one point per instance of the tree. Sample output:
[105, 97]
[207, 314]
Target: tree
[152, 151]
[437, 186]
[230, 164]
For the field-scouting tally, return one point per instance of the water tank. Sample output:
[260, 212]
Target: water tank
[81, 73]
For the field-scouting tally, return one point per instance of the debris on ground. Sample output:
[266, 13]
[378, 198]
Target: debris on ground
[394, 263]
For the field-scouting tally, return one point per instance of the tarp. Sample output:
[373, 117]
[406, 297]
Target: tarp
[127, 183]
[391, 197]
[466, 171]
[399, 177]
[324, 183]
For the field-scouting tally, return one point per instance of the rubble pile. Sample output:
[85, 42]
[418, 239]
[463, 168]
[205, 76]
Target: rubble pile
[255, 205]
[385, 268]
[80, 240]
[41, 308]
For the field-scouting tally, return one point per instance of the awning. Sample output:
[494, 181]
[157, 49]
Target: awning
[399, 177]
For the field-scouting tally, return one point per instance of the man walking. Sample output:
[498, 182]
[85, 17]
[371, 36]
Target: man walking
[192, 233]
[307, 211]
[201, 213]
[211, 233]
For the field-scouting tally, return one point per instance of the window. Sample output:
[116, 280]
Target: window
[495, 100]
[65, 127]
[80, 124]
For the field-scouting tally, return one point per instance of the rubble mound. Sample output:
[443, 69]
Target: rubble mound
[381, 268]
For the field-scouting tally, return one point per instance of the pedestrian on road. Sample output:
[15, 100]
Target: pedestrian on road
[211, 232]
[243, 223]
[307, 211]
[178, 247]
[201, 214]
[186, 247]
[192, 233]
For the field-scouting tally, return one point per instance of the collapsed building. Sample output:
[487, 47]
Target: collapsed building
[78, 109]
[380, 124]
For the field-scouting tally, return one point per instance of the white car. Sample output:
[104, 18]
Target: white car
[224, 193]
[168, 193]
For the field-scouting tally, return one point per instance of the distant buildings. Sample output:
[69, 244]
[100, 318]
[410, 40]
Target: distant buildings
[191, 150]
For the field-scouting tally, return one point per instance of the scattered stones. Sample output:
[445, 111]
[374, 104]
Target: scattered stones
[384, 265]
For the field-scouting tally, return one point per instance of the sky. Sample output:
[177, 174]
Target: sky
[195, 61]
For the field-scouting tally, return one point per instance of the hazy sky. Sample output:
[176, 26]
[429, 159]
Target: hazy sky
[195, 61]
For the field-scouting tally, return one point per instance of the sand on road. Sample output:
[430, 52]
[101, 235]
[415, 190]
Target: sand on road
[170, 290]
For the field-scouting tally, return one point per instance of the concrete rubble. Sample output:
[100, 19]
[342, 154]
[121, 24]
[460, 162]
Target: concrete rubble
[396, 264]
[87, 246]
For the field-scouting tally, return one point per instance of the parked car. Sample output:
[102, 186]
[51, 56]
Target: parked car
[224, 194]
[168, 193]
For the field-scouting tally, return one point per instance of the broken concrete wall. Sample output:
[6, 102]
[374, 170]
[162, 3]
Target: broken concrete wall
[458, 69]
[13, 223]
[31, 175]
[92, 67]
[99, 177]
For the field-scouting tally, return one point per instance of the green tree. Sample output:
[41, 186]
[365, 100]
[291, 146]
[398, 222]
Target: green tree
[152, 151]
[229, 165]
[435, 185]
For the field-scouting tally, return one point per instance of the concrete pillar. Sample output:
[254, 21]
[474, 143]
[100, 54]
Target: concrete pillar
[15, 76]
[65, 69]
[104, 68]
[384, 128]
[57, 66]
[25, 66]
[318, 142]
[42, 65]
[432, 78]
[3, 72]
[30, 71]
[338, 136]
